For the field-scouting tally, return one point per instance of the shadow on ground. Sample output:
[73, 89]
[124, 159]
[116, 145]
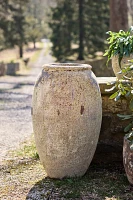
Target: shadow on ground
[15, 95]
[96, 184]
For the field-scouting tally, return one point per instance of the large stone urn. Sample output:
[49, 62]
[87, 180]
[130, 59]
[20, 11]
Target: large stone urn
[66, 113]
[116, 66]
[128, 159]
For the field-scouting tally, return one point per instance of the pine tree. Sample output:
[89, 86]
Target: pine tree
[63, 28]
[18, 28]
[13, 23]
[96, 19]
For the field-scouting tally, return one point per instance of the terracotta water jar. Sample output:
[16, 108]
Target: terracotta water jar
[66, 113]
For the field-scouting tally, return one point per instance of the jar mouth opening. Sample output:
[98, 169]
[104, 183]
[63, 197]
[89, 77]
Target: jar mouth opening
[66, 67]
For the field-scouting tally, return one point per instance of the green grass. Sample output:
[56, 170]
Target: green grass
[27, 150]
[47, 50]
[37, 53]
[25, 174]
[94, 184]
[35, 56]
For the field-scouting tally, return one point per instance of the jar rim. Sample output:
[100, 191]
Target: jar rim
[66, 67]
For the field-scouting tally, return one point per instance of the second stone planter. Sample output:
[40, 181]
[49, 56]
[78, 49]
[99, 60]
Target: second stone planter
[12, 68]
[67, 113]
[128, 159]
[116, 66]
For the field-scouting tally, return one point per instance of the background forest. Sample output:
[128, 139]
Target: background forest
[76, 28]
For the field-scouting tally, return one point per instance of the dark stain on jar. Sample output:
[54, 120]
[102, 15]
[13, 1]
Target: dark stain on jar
[82, 110]
[58, 112]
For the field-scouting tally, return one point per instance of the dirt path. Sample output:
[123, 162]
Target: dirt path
[15, 105]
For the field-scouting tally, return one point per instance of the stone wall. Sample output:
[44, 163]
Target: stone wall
[99, 66]
[110, 143]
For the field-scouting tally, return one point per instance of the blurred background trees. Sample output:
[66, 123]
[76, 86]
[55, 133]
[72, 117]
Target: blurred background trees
[37, 20]
[13, 23]
[63, 25]
[22, 22]
[79, 26]
[77, 29]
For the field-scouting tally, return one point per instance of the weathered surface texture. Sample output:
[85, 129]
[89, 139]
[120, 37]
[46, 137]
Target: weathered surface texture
[67, 114]
[110, 145]
[128, 160]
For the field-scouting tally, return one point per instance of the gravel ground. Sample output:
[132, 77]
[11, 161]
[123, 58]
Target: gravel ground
[15, 105]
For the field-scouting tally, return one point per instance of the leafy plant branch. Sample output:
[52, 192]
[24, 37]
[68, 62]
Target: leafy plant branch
[120, 43]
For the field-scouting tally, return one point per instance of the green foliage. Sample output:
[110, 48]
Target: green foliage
[20, 22]
[66, 27]
[124, 87]
[120, 44]
[36, 20]
[33, 30]
[96, 23]
[27, 150]
[13, 23]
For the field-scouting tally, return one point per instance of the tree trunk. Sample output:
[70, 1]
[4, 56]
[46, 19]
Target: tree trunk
[21, 51]
[130, 10]
[81, 30]
[34, 43]
[118, 15]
